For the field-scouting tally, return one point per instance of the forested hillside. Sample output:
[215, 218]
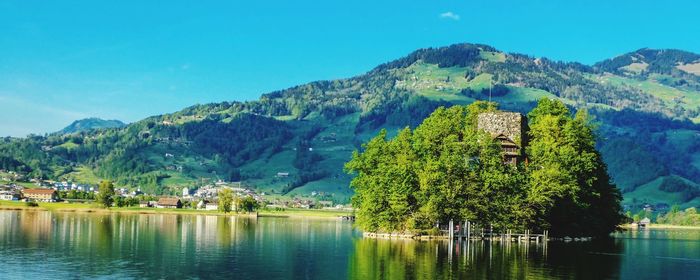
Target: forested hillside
[295, 141]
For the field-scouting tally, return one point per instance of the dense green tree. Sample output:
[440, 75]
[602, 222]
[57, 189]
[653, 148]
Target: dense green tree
[570, 190]
[225, 200]
[247, 204]
[105, 194]
[688, 217]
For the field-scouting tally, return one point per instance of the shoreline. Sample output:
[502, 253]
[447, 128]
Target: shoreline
[659, 226]
[91, 208]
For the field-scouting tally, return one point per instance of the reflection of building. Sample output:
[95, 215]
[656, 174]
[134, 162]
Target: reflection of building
[37, 225]
[169, 202]
[46, 195]
[509, 129]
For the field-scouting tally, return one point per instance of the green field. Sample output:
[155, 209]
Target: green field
[493, 56]
[686, 99]
[333, 144]
[69, 145]
[445, 84]
[83, 175]
[650, 193]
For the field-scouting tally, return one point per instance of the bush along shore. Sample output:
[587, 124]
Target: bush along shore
[427, 181]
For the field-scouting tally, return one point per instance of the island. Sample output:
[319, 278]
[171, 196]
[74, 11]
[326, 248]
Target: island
[500, 171]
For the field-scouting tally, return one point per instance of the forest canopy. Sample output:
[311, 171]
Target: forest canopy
[447, 169]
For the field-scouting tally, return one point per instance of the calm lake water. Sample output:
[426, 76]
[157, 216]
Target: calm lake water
[47, 245]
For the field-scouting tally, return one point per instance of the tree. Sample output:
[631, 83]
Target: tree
[248, 204]
[570, 189]
[106, 193]
[225, 200]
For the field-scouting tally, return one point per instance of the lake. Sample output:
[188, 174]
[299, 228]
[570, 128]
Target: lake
[60, 245]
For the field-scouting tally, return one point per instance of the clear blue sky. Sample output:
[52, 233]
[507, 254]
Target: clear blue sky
[65, 60]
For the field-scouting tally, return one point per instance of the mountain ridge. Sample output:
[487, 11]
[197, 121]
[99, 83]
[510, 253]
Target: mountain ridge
[310, 130]
[87, 124]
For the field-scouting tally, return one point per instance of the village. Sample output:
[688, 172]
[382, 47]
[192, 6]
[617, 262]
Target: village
[16, 187]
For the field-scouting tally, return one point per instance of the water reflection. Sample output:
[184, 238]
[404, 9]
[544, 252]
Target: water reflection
[170, 246]
[660, 254]
[40, 244]
[407, 259]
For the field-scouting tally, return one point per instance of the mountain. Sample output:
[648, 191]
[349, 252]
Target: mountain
[295, 141]
[645, 62]
[90, 124]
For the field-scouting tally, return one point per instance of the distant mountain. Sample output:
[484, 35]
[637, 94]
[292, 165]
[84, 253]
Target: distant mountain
[90, 124]
[295, 141]
[675, 68]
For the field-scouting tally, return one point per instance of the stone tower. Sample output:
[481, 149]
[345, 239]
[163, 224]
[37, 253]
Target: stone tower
[510, 128]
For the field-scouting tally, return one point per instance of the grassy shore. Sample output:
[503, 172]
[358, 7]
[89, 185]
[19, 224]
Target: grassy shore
[292, 212]
[91, 207]
[661, 226]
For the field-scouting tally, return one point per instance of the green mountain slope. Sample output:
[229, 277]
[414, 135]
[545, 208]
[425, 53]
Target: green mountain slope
[295, 141]
[90, 124]
[670, 75]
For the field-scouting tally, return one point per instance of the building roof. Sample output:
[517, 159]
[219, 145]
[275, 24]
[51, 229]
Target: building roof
[645, 221]
[39, 191]
[505, 141]
[510, 124]
[168, 201]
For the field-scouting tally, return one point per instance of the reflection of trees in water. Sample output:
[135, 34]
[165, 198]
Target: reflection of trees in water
[103, 234]
[124, 245]
[171, 246]
[598, 259]
[409, 259]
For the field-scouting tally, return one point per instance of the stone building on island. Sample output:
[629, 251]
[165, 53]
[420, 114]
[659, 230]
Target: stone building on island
[510, 129]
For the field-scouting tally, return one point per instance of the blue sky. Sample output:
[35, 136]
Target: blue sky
[65, 60]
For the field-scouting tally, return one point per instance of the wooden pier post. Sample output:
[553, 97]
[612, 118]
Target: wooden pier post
[459, 232]
[527, 235]
[451, 230]
[464, 230]
[469, 229]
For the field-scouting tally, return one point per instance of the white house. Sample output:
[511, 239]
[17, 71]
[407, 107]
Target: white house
[8, 195]
[644, 222]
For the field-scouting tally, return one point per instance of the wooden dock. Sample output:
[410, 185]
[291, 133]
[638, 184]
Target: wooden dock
[468, 232]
